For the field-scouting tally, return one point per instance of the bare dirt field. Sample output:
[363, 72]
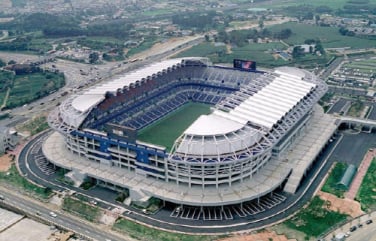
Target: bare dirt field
[346, 206]
[264, 235]
[5, 162]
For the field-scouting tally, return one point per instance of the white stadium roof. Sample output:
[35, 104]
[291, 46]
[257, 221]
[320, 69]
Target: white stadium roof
[207, 125]
[270, 104]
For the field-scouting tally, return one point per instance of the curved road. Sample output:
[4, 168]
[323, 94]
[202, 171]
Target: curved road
[86, 229]
[293, 203]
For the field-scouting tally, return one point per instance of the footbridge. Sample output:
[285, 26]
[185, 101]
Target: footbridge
[366, 125]
[357, 121]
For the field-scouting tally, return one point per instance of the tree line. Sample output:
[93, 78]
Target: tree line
[241, 37]
[66, 26]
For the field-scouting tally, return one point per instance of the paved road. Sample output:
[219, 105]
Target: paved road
[89, 231]
[338, 106]
[366, 233]
[163, 220]
[74, 224]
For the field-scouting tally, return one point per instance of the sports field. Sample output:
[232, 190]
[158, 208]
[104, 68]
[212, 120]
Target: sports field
[165, 131]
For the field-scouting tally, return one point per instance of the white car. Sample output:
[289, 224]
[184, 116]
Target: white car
[52, 214]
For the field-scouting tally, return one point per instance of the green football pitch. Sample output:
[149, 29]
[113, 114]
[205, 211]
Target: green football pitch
[165, 131]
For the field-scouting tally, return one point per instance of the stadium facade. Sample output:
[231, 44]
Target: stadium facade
[231, 156]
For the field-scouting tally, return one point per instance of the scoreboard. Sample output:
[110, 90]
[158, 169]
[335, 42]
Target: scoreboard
[245, 64]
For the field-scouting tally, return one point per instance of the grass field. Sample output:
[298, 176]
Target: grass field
[35, 125]
[141, 232]
[367, 192]
[81, 209]
[335, 176]
[261, 53]
[315, 219]
[13, 178]
[29, 87]
[256, 52]
[356, 108]
[157, 12]
[165, 131]
[329, 36]
[205, 50]
[148, 43]
[334, 4]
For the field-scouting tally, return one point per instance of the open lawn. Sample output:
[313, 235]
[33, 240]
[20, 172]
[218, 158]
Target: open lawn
[148, 43]
[141, 232]
[29, 87]
[329, 36]
[259, 52]
[331, 183]
[169, 128]
[81, 209]
[367, 192]
[35, 125]
[204, 50]
[315, 219]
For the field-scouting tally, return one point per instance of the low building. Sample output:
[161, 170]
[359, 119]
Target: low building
[8, 139]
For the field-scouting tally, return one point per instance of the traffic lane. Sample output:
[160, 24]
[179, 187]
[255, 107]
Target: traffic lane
[353, 147]
[337, 107]
[367, 232]
[61, 219]
[348, 91]
[372, 114]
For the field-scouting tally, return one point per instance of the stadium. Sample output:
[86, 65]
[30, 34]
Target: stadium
[211, 142]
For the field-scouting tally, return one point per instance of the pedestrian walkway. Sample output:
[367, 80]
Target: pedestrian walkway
[362, 170]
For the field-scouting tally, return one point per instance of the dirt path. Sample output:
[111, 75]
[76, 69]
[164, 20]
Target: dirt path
[346, 206]
[5, 162]
[5, 99]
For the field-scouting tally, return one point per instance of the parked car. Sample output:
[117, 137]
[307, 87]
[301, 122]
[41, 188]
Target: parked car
[353, 228]
[369, 221]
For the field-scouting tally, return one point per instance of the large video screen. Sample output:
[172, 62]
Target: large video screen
[245, 64]
[121, 132]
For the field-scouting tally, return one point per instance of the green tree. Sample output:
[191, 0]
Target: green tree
[93, 57]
